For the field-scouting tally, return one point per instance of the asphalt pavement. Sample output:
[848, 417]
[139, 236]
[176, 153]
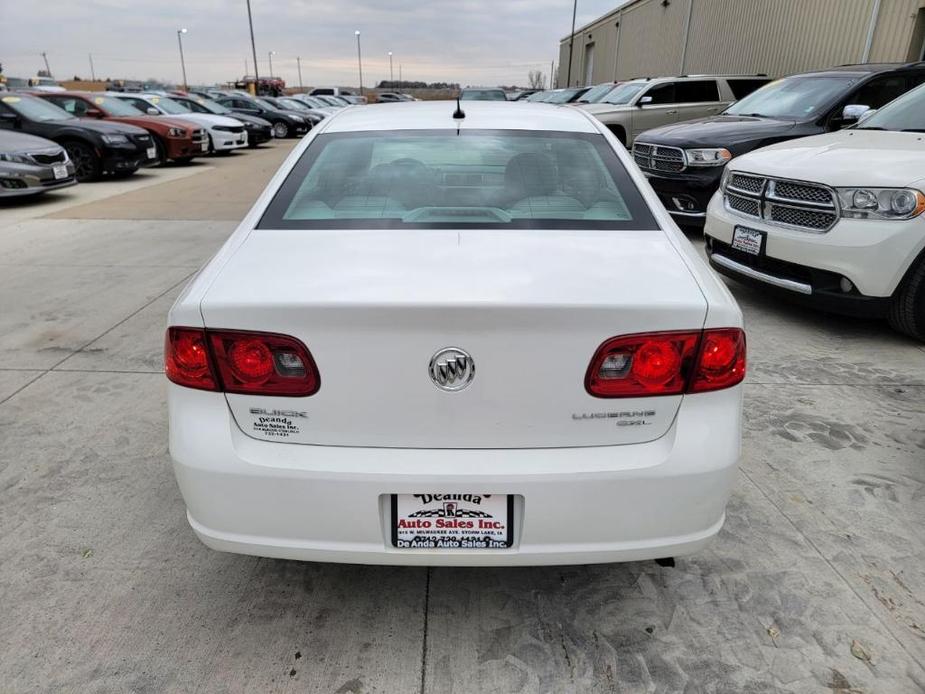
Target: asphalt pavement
[815, 584]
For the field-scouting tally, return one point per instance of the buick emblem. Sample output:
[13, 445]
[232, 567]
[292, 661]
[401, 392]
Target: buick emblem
[452, 369]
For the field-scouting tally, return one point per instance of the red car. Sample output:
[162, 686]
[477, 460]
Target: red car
[174, 138]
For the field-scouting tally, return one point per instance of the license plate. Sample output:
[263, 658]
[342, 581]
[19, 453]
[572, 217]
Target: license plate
[452, 521]
[59, 171]
[748, 240]
[152, 152]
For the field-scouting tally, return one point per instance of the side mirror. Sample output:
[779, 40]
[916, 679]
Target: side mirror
[852, 113]
[151, 111]
[644, 100]
[94, 113]
[867, 114]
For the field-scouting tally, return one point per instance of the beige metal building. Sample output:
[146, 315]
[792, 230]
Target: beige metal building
[644, 38]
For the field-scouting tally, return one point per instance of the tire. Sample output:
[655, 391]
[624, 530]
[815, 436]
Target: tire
[280, 129]
[87, 165]
[907, 313]
[161, 151]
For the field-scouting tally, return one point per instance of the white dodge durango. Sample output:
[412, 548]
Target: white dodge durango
[472, 338]
[835, 220]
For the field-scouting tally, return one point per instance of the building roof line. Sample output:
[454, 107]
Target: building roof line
[626, 4]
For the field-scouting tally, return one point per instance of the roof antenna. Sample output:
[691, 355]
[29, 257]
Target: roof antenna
[458, 114]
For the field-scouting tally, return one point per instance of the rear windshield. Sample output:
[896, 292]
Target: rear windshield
[445, 178]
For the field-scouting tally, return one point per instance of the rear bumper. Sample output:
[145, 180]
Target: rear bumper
[572, 505]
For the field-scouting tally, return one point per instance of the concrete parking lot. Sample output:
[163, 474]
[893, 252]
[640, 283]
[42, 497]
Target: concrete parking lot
[816, 583]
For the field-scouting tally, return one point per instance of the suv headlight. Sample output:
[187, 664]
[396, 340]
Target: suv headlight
[15, 158]
[708, 156]
[880, 203]
[176, 132]
[115, 139]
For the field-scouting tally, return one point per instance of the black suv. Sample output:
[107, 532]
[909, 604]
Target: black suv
[96, 147]
[684, 162]
[285, 123]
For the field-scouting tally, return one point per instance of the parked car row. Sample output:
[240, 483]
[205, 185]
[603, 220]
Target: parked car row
[804, 188]
[801, 187]
[53, 139]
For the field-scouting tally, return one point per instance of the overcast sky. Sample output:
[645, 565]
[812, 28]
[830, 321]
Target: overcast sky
[479, 42]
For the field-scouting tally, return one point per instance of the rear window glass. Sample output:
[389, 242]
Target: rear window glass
[445, 178]
[742, 88]
[696, 91]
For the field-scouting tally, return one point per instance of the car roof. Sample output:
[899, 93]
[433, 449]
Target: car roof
[488, 115]
[683, 78]
[864, 69]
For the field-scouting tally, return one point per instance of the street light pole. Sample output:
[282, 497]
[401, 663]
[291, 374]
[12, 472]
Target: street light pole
[92, 71]
[250, 22]
[359, 60]
[391, 72]
[571, 41]
[298, 62]
[180, 33]
[270, 58]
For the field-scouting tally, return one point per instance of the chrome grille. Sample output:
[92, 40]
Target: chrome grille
[739, 203]
[803, 192]
[747, 184]
[40, 158]
[801, 217]
[795, 204]
[658, 158]
[200, 136]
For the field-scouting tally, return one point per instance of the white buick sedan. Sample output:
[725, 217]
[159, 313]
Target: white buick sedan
[455, 338]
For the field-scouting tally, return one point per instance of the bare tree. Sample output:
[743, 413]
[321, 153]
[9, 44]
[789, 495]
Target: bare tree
[536, 79]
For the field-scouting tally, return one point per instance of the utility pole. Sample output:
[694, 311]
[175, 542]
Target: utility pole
[552, 71]
[250, 22]
[180, 33]
[359, 60]
[270, 58]
[298, 62]
[391, 72]
[92, 72]
[571, 42]
[45, 58]
[399, 74]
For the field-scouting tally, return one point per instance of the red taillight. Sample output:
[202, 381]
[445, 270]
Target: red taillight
[186, 358]
[240, 362]
[722, 360]
[667, 363]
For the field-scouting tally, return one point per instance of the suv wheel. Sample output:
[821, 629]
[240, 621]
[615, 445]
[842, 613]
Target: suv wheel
[87, 165]
[907, 314]
[280, 129]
